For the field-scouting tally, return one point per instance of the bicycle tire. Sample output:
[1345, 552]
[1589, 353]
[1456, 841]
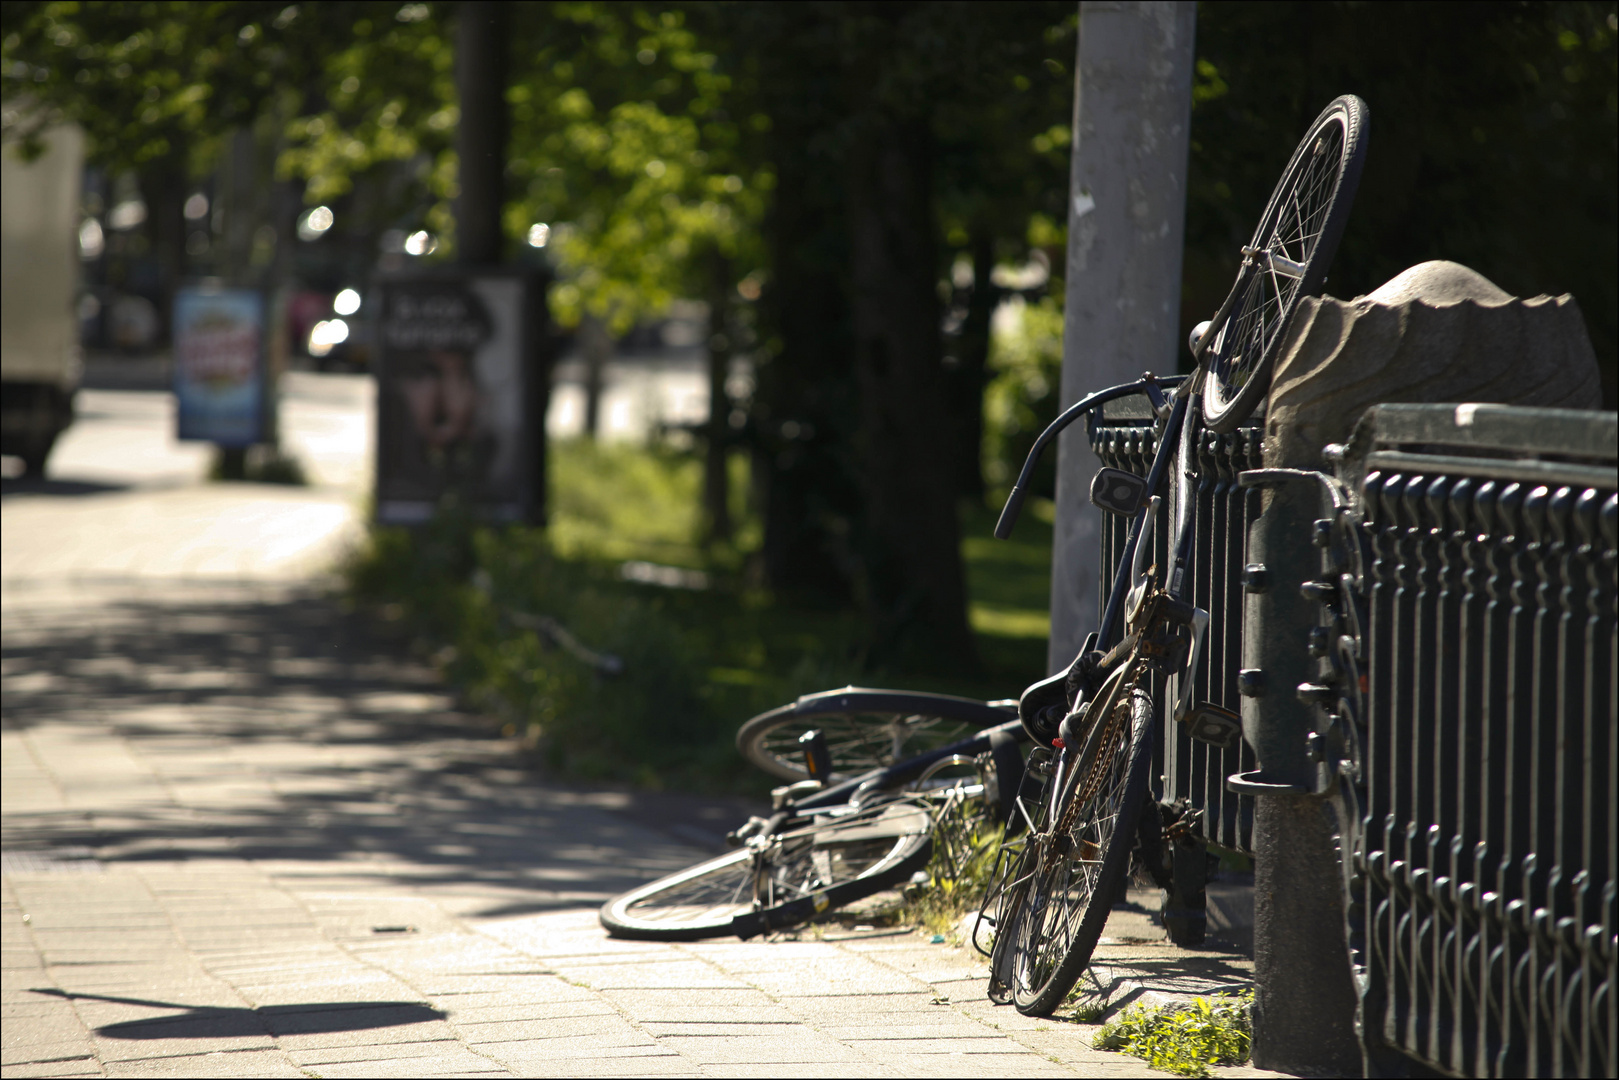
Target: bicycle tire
[1062, 903]
[1303, 222]
[865, 729]
[816, 866]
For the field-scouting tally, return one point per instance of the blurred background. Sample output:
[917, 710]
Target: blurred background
[704, 186]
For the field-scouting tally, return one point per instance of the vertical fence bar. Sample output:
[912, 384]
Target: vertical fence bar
[1192, 770]
[1480, 854]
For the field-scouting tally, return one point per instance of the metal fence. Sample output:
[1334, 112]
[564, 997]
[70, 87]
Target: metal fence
[1194, 770]
[1479, 806]
[1461, 718]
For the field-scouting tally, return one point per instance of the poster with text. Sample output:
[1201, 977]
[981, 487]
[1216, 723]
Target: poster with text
[451, 417]
[220, 384]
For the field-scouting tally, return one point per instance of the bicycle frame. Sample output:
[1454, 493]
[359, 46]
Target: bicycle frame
[1176, 411]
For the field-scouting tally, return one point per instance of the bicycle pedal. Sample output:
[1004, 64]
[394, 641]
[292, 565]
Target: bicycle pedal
[741, 834]
[1214, 725]
[1118, 492]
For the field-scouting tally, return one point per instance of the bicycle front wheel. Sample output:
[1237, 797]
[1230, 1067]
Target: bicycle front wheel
[1074, 866]
[779, 881]
[1291, 250]
[864, 729]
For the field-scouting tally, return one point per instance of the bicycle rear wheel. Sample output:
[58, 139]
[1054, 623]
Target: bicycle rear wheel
[1073, 867]
[779, 881]
[1292, 248]
[864, 729]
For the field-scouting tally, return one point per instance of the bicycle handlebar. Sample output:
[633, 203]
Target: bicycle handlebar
[1020, 490]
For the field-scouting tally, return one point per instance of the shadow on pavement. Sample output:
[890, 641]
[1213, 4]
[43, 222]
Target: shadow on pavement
[213, 1022]
[1112, 982]
[46, 486]
[286, 729]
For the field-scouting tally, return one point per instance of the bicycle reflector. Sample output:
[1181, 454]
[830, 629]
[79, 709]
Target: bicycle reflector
[817, 756]
[1118, 492]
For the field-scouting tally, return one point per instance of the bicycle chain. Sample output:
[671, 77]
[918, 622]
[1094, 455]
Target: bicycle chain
[1093, 780]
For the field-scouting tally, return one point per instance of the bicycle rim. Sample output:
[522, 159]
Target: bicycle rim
[783, 880]
[1302, 224]
[1073, 873]
[864, 730]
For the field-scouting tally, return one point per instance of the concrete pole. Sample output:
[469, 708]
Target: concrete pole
[1126, 220]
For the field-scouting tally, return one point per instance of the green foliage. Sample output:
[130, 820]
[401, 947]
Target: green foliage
[615, 500]
[966, 839]
[1184, 1039]
[696, 662]
[161, 80]
[1022, 396]
[652, 722]
[623, 135]
[384, 93]
[1088, 1012]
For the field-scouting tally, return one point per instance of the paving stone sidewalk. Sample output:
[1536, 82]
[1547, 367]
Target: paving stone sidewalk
[246, 834]
[244, 837]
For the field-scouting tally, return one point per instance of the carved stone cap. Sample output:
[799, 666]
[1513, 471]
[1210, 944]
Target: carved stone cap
[1437, 332]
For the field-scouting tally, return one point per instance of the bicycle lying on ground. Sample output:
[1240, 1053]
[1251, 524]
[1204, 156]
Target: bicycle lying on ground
[1093, 724]
[867, 800]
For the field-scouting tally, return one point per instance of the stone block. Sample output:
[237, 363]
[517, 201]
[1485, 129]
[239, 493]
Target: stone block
[1436, 332]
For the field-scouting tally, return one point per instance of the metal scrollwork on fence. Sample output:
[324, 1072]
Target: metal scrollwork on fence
[1469, 736]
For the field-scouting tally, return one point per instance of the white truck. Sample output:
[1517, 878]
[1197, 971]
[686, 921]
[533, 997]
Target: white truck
[39, 272]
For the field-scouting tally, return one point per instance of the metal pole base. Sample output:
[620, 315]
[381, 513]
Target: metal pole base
[1304, 999]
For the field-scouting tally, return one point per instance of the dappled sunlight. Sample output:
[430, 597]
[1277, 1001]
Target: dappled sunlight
[272, 732]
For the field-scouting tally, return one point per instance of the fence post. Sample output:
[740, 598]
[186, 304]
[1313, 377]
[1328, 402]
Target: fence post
[1437, 332]
[1304, 1000]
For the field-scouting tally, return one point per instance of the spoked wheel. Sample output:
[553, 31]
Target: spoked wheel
[1287, 259]
[782, 880]
[1073, 866]
[864, 729]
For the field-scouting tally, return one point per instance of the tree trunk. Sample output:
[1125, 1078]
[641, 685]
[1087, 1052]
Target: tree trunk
[804, 402]
[597, 345]
[716, 483]
[480, 141]
[163, 190]
[971, 373]
[915, 590]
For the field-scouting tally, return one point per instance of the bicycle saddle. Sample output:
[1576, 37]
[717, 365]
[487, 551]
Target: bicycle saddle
[1042, 707]
[1045, 703]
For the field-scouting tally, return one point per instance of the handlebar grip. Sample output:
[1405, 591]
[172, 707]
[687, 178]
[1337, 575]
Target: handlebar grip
[1014, 506]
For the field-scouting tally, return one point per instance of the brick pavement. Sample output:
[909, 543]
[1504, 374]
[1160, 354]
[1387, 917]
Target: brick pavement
[246, 834]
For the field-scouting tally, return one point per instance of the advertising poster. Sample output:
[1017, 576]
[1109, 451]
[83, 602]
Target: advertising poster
[451, 396]
[220, 385]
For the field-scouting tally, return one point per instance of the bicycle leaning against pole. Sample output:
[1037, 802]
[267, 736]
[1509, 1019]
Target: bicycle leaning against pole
[1092, 724]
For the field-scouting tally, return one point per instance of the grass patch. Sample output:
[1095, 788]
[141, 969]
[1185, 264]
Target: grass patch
[1009, 592]
[1184, 1039]
[965, 843]
[693, 663]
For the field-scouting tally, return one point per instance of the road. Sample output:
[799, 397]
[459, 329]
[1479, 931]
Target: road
[249, 832]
